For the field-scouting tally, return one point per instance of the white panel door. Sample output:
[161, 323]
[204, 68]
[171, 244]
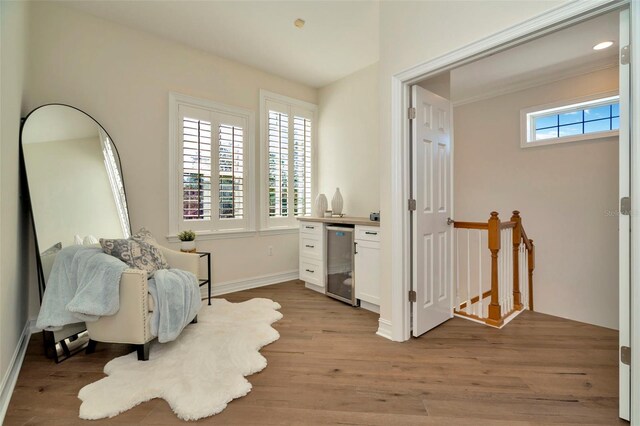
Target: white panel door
[624, 251]
[431, 164]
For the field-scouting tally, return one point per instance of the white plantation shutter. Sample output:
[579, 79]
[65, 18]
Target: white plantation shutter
[288, 137]
[231, 167]
[213, 179]
[196, 169]
[302, 165]
[278, 136]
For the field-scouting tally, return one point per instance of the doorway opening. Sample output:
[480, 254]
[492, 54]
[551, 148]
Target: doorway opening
[437, 76]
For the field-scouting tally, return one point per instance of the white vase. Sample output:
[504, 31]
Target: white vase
[320, 205]
[188, 246]
[337, 202]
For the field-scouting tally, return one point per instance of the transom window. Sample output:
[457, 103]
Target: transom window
[588, 119]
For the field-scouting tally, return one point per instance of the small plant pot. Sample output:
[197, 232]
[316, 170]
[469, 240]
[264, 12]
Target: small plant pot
[188, 246]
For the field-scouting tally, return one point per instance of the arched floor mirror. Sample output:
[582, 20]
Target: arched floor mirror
[76, 194]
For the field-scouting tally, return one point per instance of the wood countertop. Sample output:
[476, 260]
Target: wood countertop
[348, 220]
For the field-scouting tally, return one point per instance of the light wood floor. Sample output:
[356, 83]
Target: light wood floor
[329, 367]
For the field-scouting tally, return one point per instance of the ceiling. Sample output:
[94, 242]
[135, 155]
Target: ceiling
[339, 38]
[553, 57]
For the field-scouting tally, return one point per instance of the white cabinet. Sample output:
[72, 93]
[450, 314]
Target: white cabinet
[312, 253]
[367, 265]
[313, 261]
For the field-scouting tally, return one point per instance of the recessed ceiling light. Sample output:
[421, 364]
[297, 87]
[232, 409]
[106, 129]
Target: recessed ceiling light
[299, 23]
[603, 45]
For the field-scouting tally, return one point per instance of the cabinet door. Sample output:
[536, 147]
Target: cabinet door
[367, 271]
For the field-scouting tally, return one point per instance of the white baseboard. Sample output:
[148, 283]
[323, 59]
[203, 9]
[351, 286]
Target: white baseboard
[384, 329]
[314, 287]
[218, 289]
[370, 307]
[11, 376]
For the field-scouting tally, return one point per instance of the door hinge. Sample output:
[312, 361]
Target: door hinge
[625, 206]
[412, 204]
[412, 296]
[625, 55]
[625, 355]
[412, 113]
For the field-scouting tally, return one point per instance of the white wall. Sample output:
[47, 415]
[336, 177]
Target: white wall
[13, 225]
[415, 32]
[348, 141]
[563, 193]
[122, 78]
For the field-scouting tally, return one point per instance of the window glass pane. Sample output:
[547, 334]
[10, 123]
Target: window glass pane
[615, 110]
[615, 124]
[597, 113]
[570, 130]
[547, 133]
[571, 118]
[597, 126]
[546, 121]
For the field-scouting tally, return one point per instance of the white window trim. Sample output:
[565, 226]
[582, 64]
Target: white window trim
[526, 129]
[175, 149]
[289, 224]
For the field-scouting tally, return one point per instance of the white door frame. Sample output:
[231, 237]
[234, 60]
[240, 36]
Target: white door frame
[635, 217]
[555, 19]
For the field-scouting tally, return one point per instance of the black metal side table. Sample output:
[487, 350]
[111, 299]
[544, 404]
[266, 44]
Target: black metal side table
[206, 281]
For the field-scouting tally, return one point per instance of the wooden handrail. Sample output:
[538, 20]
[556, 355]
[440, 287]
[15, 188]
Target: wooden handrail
[525, 239]
[507, 225]
[471, 225]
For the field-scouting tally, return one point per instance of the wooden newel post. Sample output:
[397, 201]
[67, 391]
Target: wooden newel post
[517, 236]
[495, 316]
[532, 266]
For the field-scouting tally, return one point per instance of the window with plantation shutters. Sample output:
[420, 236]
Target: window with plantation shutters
[288, 136]
[211, 143]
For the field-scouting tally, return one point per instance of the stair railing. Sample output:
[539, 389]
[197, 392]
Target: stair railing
[512, 262]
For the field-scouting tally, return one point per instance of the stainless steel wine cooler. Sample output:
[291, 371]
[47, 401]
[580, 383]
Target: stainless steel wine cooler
[340, 278]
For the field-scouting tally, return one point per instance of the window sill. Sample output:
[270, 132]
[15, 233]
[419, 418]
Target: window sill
[577, 138]
[218, 235]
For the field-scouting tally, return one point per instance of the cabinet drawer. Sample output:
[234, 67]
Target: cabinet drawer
[311, 271]
[312, 228]
[310, 246]
[367, 233]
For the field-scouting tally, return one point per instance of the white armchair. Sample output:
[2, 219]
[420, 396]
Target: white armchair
[131, 324]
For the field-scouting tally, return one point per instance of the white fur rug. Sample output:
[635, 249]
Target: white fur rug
[199, 373]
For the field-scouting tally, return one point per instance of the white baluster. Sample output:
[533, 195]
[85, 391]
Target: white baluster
[480, 301]
[469, 309]
[457, 268]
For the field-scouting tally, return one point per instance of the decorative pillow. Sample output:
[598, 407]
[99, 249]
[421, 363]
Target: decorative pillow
[144, 236]
[136, 254]
[52, 250]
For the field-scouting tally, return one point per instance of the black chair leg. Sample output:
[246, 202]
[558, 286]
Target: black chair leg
[91, 347]
[195, 320]
[143, 351]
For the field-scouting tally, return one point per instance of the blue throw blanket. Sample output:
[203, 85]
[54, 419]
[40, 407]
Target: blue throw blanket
[84, 285]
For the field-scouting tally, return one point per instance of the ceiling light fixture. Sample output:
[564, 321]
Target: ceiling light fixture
[603, 45]
[299, 23]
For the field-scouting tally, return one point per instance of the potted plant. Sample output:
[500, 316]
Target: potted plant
[188, 238]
